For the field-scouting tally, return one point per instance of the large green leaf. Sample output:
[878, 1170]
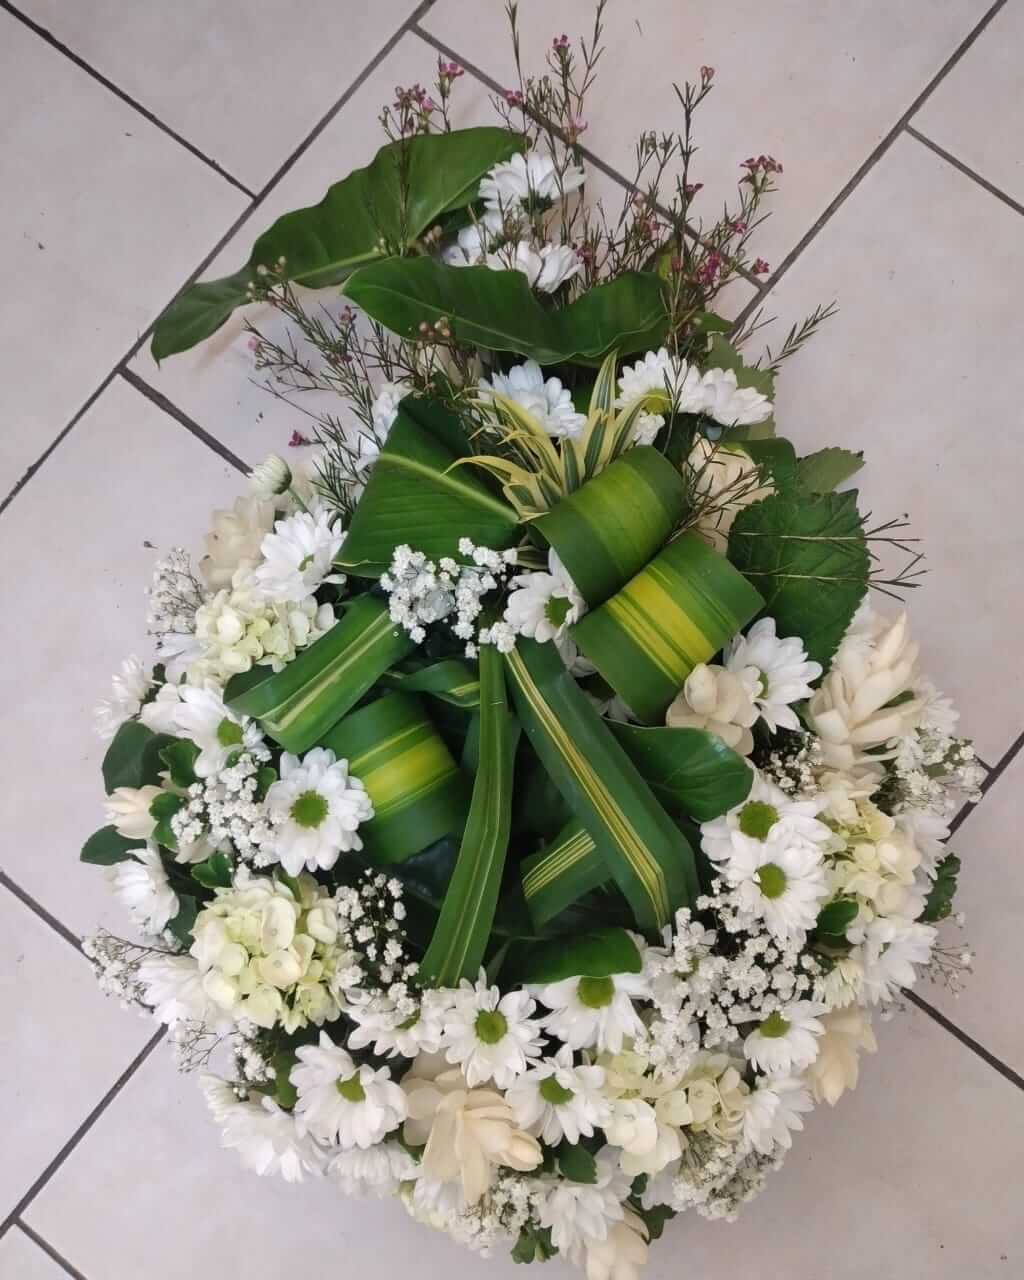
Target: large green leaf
[821, 472]
[463, 928]
[644, 851]
[589, 955]
[359, 220]
[688, 769]
[498, 311]
[416, 495]
[133, 758]
[808, 557]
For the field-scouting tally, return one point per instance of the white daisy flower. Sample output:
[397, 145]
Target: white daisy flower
[767, 814]
[529, 182]
[666, 383]
[341, 1103]
[128, 688]
[773, 1112]
[546, 267]
[316, 808]
[491, 1036]
[778, 671]
[378, 1171]
[473, 242]
[127, 811]
[298, 556]
[889, 950]
[555, 1100]
[174, 990]
[547, 401]
[201, 716]
[729, 404]
[579, 1214]
[544, 605]
[270, 477]
[594, 1012]
[140, 884]
[787, 1040]
[393, 1032]
[264, 1136]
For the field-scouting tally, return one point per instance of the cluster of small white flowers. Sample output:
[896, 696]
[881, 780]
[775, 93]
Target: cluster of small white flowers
[116, 962]
[422, 591]
[933, 770]
[370, 916]
[225, 807]
[175, 595]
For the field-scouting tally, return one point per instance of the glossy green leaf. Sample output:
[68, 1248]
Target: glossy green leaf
[497, 310]
[644, 851]
[591, 955]
[181, 925]
[823, 471]
[576, 1163]
[107, 846]
[688, 769]
[451, 680]
[561, 873]
[359, 220]
[939, 902]
[180, 757]
[214, 873]
[834, 919]
[460, 939]
[133, 757]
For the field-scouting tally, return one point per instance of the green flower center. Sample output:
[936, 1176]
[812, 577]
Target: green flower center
[757, 819]
[229, 734]
[490, 1026]
[595, 993]
[762, 684]
[309, 809]
[774, 1025]
[772, 880]
[551, 1091]
[556, 610]
[351, 1089]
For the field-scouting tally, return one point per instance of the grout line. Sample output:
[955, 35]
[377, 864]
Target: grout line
[49, 1250]
[969, 1042]
[1001, 765]
[964, 169]
[188, 423]
[80, 62]
[38, 909]
[591, 157]
[81, 1131]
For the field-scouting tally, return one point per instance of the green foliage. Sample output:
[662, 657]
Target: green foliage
[654, 1219]
[834, 919]
[181, 925]
[451, 680]
[576, 1163]
[592, 955]
[821, 472]
[106, 846]
[180, 758]
[214, 873]
[808, 557]
[534, 1245]
[939, 902]
[133, 757]
[688, 769]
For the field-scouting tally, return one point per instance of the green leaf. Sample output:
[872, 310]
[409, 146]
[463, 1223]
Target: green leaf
[181, 925]
[776, 457]
[590, 955]
[266, 776]
[576, 1163]
[165, 805]
[497, 310]
[821, 472]
[323, 244]
[298, 705]
[180, 758]
[107, 846]
[808, 557]
[534, 1245]
[939, 902]
[834, 919]
[644, 851]
[133, 757]
[688, 769]
[654, 1219]
[451, 680]
[214, 873]
[463, 928]
[564, 870]
[285, 1093]
[416, 495]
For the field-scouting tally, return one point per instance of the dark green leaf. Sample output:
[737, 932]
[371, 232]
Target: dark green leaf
[165, 805]
[285, 1093]
[266, 776]
[939, 902]
[576, 1163]
[688, 769]
[534, 1245]
[654, 1219]
[834, 919]
[590, 955]
[181, 925]
[106, 846]
[821, 472]
[180, 757]
[133, 757]
[214, 873]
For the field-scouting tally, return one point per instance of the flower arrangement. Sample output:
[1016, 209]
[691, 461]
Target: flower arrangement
[526, 811]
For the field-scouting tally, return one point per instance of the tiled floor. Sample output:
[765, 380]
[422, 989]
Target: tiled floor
[142, 144]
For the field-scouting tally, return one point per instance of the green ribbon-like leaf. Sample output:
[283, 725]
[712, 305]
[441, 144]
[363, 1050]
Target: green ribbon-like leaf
[450, 680]
[562, 873]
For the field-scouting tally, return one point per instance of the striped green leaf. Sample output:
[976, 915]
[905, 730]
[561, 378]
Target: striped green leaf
[464, 925]
[607, 530]
[417, 495]
[688, 769]
[451, 681]
[678, 611]
[562, 873]
[643, 850]
[298, 705]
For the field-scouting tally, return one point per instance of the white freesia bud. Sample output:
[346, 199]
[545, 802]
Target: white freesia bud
[270, 477]
[621, 1254]
[127, 810]
[719, 701]
[835, 1069]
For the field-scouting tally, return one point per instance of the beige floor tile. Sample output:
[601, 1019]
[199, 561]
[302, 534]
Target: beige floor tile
[22, 1259]
[76, 554]
[103, 217]
[71, 1044]
[974, 113]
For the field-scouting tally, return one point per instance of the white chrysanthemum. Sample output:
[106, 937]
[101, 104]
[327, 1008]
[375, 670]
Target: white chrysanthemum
[546, 401]
[773, 1112]
[782, 673]
[392, 1032]
[720, 702]
[555, 1100]
[473, 242]
[528, 183]
[731, 405]
[491, 1036]
[316, 808]
[264, 1136]
[544, 606]
[173, 989]
[377, 1171]
[270, 477]
[724, 480]
[578, 1214]
[201, 716]
[339, 1102]
[141, 885]
[128, 688]
[594, 1012]
[546, 267]
[664, 383]
[298, 557]
[787, 1040]
[889, 950]
[837, 1066]
[233, 542]
[127, 811]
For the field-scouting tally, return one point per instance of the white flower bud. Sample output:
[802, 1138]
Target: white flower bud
[270, 477]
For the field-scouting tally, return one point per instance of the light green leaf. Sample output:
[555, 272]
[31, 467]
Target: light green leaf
[823, 471]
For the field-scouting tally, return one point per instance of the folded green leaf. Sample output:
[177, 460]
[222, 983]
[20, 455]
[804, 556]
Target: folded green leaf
[562, 873]
[460, 939]
[451, 681]
[107, 846]
[940, 897]
[498, 311]
[688, 769]
[298, 705]
[591, 955]
[644, 851]
[419, 793]
[821, 472]
[361, 219]
[133, 758]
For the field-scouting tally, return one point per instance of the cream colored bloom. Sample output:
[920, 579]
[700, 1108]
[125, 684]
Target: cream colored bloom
[468, 1133]
[621, 1254]
[725, 480]
[835, 1069]
[127, 810]
[234, 539]
[719, 701]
